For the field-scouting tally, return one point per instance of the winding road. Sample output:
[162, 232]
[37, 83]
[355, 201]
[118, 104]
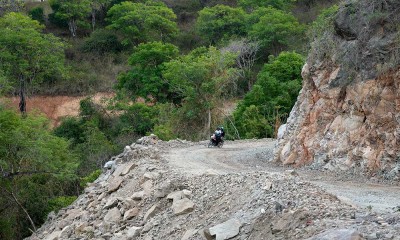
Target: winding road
[253, 155]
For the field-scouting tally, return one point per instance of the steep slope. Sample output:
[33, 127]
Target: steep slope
[184, 190]
[348, 113]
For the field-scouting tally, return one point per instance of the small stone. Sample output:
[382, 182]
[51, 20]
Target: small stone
[53, 236]
[147, 187]
[177, 195]
[113, 215]
[151, 176]
[112, 202]
[115, 184]
[133, 232]
[138, 195]
[127, 168]
[182, 206]
[151, 212]
[187, 193]
[292, 172]
[101, 196]
[131, 213]
[205, 233]
[188, 234]
[80, 227]
[267, 185]
[88, 229]
[344, 234]
[66, 232]
[226, 230]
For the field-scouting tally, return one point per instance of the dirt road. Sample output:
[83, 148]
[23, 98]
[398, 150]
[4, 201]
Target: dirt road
[253, 155]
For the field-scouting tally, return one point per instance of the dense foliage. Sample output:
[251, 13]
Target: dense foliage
[172, 65]
[142, 22]
[33, 163]
[144, 79]
[271, 98]
[221, 23]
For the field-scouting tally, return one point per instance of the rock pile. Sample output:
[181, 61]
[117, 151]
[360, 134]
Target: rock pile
[144, 198]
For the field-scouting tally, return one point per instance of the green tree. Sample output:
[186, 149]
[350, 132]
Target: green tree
[31, 160]
[271, 98]
[102, 41]
[37, 14]
[5, 86]
[254, 4]
[95, 148]
[221, 23]
[274, 29]
[27, 55]
[73, 12]
[142, 22]
[201, 78]
[145, 79]
[139, 118]
[91, 136]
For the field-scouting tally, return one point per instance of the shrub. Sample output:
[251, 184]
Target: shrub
[102, 41]
[37, 14]
[90, 178]
[57, 203]
[164, 132]
[139, 119]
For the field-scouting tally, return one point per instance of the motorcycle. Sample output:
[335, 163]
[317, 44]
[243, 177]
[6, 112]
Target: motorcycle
[214, 142]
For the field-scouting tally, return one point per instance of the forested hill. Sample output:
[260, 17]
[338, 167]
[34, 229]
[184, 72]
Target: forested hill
[171, 64]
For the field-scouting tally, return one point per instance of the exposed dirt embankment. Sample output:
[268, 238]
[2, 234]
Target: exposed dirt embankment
[57, 107]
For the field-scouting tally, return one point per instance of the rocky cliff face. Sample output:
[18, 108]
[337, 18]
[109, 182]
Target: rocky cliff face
[348, 113]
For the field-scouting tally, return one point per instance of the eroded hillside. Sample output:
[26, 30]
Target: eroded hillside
[348, 113]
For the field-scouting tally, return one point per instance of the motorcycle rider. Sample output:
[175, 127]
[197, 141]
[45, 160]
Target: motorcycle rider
[219, 134]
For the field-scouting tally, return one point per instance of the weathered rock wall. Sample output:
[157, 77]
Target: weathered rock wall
[348, 111]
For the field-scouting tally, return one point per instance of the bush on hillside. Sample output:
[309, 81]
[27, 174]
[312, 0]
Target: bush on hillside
[102, 41]
[37, 14]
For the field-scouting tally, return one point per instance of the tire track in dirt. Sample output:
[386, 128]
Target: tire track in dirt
[253, 155]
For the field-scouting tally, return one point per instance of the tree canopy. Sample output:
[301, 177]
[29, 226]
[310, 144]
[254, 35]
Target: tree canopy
[274, 28]
[253, 4]
[144, 79]
[271, 98]
[73, 12]
[142, 22]
[31, 161]
[27, 55]
[201, 78]
[221, 22]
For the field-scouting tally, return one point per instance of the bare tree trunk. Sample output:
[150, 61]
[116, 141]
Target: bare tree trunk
[26, 212]
[208, 126]
[93, 18]
[22, 101]
[233, 125]
[72, 27]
